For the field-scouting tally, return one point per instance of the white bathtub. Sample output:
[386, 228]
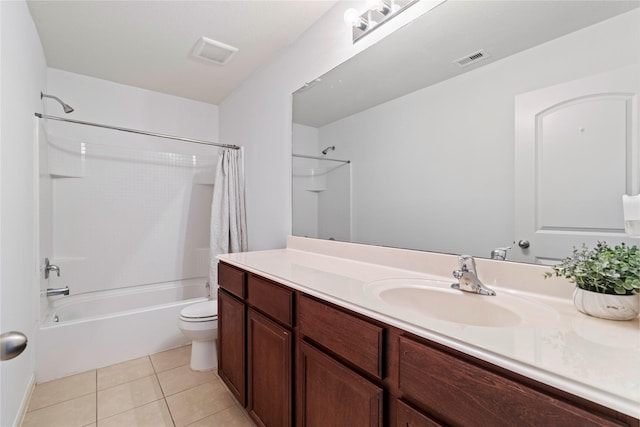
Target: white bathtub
[89, 331]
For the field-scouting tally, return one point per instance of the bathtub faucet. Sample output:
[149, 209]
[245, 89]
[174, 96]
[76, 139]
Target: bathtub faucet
[48, 268]
[57, 291]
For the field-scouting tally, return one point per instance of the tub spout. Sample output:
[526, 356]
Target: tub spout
[57, 291]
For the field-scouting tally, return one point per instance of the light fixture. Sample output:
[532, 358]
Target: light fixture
[382, 7]
[353, 19]
[379, 12]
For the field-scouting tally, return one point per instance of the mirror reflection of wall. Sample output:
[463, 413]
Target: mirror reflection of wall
[434, 169]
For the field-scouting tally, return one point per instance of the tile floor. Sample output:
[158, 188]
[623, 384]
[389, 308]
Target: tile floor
[155, 391]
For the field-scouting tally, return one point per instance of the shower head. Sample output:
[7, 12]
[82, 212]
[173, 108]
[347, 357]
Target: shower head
[330, 148]
[66, 107]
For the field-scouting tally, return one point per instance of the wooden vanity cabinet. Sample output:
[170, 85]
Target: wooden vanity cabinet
[330, 391]
[461, 393]
[269, 352]
[231, 330]
[351, 370]
[406, 416]
[331, 394]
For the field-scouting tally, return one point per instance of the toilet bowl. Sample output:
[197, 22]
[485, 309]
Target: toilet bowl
[199, 322]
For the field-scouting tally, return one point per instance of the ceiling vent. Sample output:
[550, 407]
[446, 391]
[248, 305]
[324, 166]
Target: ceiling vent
[213, 51]
[472, 58]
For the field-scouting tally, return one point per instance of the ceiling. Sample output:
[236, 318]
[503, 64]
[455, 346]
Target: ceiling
[148, 44]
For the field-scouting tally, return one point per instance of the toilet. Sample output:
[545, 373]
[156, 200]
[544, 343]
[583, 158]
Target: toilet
[199, 322]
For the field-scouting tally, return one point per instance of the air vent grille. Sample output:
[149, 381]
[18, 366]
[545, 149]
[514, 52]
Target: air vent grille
[472, 58]
[213, 51]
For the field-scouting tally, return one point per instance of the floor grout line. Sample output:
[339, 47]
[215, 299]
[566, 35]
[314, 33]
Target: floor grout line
[212, 377]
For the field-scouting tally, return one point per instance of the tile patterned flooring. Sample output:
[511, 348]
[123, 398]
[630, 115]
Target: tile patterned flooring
[157, 390]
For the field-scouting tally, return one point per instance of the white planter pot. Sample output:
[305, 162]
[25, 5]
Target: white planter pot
[605, 306]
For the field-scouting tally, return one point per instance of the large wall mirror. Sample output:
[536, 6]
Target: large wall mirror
[480, 125]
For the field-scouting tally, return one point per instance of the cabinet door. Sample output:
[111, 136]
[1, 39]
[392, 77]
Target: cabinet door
[231, 344]
[269, 371]
[409, 417]
[330, 394]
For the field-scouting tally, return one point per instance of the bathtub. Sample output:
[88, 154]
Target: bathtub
[89, 331]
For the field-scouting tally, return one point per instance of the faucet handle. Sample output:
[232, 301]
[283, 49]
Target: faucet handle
[467, 263]
[48, 268]
[500, 253]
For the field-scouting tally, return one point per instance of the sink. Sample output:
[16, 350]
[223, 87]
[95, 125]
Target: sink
[437, 300]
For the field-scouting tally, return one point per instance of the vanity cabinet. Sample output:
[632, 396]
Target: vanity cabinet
[351, 370]
[406, 416]
[330, 394]
[461, 393]
[329, 390]
[255, 339]
[270, 352]
[231, 330]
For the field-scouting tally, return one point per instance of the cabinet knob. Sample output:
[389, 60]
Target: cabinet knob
[524, 244]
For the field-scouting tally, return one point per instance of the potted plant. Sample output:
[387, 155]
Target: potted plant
[607, 280]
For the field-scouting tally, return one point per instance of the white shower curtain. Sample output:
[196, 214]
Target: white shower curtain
[228, 217]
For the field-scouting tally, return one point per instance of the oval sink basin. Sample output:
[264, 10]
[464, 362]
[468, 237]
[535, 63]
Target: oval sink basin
[437, 300]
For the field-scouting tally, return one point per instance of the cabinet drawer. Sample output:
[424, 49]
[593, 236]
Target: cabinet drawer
[232, 279]
[461, 393]
[349, 337]
[409, 417]
[271, 299]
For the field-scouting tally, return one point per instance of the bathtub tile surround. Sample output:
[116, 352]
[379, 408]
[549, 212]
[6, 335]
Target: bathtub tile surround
[157, 390]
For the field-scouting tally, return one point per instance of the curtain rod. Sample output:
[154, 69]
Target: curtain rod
[319, 158]
[159, 135]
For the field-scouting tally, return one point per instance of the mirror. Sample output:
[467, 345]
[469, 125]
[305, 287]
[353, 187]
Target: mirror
[433, 121]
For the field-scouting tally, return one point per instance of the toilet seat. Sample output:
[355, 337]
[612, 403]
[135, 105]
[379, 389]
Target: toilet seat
[201, 312]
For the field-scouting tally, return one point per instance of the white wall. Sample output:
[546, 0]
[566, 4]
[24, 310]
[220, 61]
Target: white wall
[258, 115]
[22, 76]
[413, 156]
[127, 209]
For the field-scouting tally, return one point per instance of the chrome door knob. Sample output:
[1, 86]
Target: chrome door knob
[12, 344]
[524, 244]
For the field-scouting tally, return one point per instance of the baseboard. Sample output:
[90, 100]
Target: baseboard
[25, 402]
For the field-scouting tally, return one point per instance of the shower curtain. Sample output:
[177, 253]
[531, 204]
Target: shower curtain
[228, 217]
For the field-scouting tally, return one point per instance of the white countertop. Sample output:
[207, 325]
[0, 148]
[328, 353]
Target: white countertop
[596, 359]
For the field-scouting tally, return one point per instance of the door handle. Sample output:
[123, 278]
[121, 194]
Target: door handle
[12, 344]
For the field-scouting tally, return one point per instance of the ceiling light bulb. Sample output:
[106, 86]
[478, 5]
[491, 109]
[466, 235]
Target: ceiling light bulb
[381, 6]
[351, 17]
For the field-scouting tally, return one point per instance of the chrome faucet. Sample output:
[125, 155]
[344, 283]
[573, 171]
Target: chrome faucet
[48, 268]
[57, 291]
[468, 280]
[500, 253]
